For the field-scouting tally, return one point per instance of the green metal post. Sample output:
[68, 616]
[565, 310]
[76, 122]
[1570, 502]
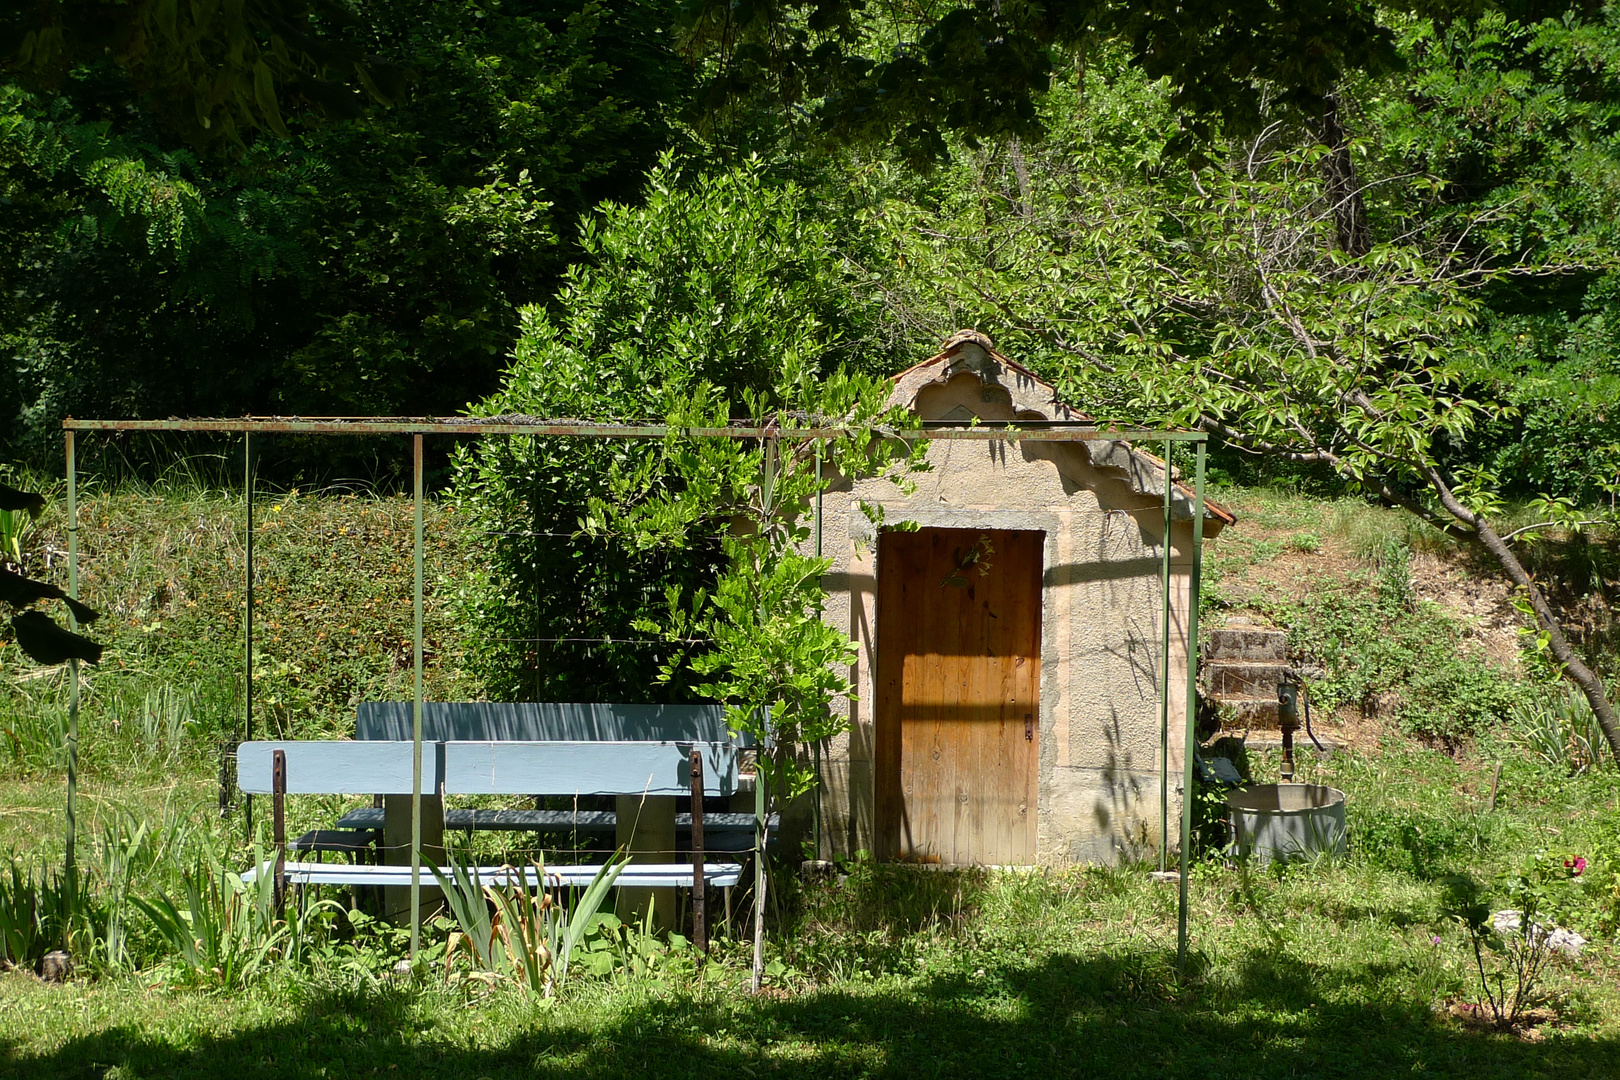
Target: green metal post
[247, 622]
[817, 744]
[767, 491]
[416, 725]
[1194, 584]
[1164, 675]
[70, 869]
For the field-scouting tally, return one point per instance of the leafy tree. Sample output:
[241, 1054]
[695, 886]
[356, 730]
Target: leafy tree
[720, 298]
[213, 70]
[978, 68]
[1225, 297]
[37, 634]
[1520, 122]
[365, 265]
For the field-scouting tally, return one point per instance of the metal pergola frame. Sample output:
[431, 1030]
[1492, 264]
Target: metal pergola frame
[419, 427]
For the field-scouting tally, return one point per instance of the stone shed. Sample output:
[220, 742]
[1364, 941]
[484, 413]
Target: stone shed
[1006, 695]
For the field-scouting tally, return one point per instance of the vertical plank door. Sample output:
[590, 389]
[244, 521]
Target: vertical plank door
[958, 677]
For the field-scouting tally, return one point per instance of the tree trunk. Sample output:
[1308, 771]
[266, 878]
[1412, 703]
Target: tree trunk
[1342, 184]
[1583, 676]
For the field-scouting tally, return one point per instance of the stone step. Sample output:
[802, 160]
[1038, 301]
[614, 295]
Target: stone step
[1249, 713]
[1302, 744]
[1247, 643]
[1244, 680]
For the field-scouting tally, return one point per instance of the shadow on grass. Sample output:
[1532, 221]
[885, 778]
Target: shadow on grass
[896, 899]
[1064, 1016]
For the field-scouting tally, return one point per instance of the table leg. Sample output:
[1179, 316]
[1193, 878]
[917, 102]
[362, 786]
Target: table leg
[646, 829]
[397, 852]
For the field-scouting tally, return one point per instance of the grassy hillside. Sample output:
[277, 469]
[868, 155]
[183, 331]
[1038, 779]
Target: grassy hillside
[1398, 629]
[333, 627]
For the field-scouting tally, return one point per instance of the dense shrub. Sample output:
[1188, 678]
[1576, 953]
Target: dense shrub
[726, 284]
[1383, 650]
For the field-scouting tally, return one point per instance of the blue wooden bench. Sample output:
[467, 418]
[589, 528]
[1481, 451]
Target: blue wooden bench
[544, 721]
[488, 767]
[560, 722]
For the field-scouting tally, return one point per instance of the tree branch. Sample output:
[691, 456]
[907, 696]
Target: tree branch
[1583, 676]
[1521, 530]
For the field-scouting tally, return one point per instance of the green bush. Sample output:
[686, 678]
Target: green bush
[1422, 844]
[1456, 698]
[724, 285]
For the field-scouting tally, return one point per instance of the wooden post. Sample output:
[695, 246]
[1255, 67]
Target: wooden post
[700, 930]
[278, 826]
[646, 833]
[397, 849]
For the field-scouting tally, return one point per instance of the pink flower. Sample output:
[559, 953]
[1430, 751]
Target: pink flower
[1575, 865]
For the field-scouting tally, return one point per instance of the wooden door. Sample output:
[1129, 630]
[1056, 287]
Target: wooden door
[958, 712]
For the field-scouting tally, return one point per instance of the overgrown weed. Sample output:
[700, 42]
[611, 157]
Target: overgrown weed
[1383, 651]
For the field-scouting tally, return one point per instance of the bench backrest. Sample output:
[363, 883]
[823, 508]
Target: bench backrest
[544, 721]
[585, 768]
[337, 767]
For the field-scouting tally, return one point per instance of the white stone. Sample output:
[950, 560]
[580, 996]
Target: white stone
[1567, 942]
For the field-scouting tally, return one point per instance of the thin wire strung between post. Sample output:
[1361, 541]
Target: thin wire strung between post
[1036, 431]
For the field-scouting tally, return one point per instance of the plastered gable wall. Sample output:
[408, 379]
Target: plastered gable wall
[1101, 628]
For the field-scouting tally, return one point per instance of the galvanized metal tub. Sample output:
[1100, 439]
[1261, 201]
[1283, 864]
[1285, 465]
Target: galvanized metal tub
[1286, 821]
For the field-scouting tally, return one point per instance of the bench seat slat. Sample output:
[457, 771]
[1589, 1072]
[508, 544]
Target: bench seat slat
[654, 875]
[556, 721]
[586, 821]
[344, 841]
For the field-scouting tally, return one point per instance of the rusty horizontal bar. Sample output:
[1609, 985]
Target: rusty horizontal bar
[1036, 431]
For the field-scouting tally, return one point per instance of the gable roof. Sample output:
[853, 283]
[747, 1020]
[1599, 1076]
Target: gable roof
[1033, 398]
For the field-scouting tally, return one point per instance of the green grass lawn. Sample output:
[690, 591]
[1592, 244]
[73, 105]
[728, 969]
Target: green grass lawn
[1324, 970]
[1296, 978]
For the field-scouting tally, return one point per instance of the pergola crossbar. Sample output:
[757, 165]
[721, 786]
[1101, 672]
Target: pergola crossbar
[1024, 431]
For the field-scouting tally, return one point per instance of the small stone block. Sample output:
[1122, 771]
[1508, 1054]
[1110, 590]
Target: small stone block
[1247, 643]
[56, 966]
[1245, 680]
